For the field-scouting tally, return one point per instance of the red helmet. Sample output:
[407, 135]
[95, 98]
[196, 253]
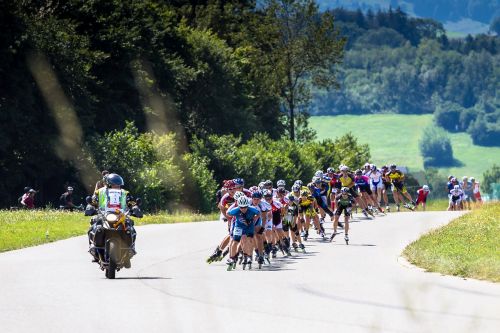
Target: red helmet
[229, 184]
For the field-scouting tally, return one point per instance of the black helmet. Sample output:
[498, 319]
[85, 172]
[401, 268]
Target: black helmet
[393, 166]
[114, 179]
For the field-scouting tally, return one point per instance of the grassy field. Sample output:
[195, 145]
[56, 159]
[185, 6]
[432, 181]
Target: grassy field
[394, 139]
[469, 246]
[24, 228]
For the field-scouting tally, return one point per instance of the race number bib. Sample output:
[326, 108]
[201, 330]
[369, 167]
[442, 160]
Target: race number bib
[237, 231]
[114, 198]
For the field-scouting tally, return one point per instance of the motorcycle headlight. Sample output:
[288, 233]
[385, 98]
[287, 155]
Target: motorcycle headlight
[111, 218]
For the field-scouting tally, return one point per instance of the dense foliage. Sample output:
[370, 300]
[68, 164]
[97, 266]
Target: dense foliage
[398, 64]
[491, 176]
[435, 147]
[74, 72]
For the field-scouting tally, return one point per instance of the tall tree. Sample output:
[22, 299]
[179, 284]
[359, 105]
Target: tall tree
[303, 50]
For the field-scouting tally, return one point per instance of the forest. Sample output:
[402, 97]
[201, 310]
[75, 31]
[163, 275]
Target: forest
[398, 64]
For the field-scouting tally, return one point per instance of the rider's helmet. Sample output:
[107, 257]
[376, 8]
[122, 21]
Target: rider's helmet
[281, 190]
[114, 179]
[393, 166]
[304, 193]
[464, 178]
[299, 182]
[456, 187]
[229, 184]
[261, 185]
[453, 180]
[253, 189]
[472, 179]
[359, 172]
[373, 167]
[268, 194]
[70, 188]
[238, 195]
[450, 177]
[344, 190]
[243, 201]
[330, 170]
[257, 195]
[280, 183]
[239, 182]
[367, 165]
[316, 180]
[318, 174]
[344, 168]
[296, 188]
[268, 183]
[425, 188]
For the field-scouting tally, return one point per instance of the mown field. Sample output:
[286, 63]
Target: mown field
[469, 246]
[394, 138]
[24, 228]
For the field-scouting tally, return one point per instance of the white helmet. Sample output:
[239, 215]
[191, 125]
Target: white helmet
[280, 183]
[344, 168]
[238, 195]
[464, 178]
[318, 174]
[426, 188]
[243, 201]
[367, 165]
[456, 187]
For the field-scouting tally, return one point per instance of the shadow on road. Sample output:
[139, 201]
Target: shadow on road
[143, 278]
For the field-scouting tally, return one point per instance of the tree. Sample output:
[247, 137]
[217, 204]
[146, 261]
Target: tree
[495, 25]
[491, 176]
[435, 147]
[304, 49]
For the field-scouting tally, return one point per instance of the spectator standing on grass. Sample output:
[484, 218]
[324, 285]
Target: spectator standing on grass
[102, 182]
[66, 199]
[28, 199]
[475, 190]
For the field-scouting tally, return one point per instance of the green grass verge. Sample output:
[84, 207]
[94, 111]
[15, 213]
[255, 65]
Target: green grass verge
[393, 138]
[19, 229]
[468, 246]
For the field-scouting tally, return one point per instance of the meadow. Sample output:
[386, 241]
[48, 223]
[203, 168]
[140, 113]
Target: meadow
[467, 246]
[393, 138]
[25, 228]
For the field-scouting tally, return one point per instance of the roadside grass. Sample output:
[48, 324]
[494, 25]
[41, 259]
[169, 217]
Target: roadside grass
[393, 138]
[19, 229]
[469, 246]
[435, 205]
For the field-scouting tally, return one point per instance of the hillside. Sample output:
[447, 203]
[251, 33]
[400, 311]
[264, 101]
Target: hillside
[466, 16]
[394, 139]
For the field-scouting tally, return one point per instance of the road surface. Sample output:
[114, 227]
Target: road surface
[362, 287]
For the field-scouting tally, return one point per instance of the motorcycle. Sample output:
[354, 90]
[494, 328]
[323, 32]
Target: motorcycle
[112, 235]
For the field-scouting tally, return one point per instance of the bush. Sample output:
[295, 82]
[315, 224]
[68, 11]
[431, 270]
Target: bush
[485, 133]
[489, 177]
[448, 117]
[148, 164]
[435, 147]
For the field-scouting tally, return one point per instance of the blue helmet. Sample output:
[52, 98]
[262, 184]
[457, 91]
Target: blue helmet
[239, 181]
[114, 179]
[257, 195]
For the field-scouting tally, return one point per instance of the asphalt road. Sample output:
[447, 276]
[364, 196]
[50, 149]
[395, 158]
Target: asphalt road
[362, 287]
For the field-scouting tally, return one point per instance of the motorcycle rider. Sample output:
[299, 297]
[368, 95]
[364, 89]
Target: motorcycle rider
[109, 199]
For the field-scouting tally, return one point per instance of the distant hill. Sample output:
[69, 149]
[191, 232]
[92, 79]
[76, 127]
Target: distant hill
[461, 16]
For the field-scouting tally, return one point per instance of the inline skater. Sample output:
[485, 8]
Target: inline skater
[245, 218]
[455, 198]
[225, 202]
[376, 185]
[292, 218]
[307, 206]
[387, 185]
[363, 185]
[344, 204]
[422, 196]
[347, 180]
[263, 208]
[398, 186]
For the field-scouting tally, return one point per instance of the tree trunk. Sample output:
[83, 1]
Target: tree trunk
[292, 121]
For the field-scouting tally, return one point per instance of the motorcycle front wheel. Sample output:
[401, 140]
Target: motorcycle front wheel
[113, 255]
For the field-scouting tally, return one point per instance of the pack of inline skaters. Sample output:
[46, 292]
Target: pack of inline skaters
[462, 193]
[262, 221]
